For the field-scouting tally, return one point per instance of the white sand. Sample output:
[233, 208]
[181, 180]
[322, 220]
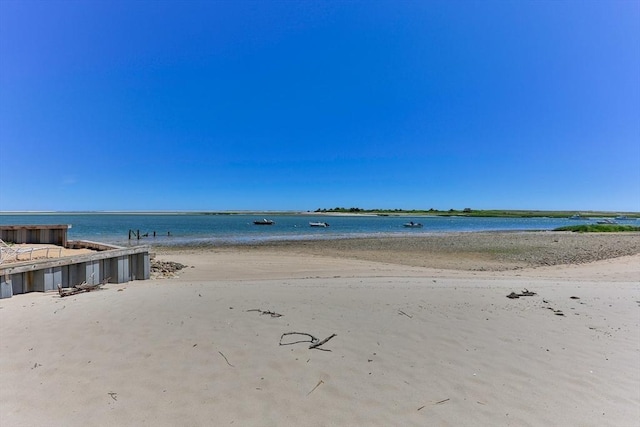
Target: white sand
[414, 346]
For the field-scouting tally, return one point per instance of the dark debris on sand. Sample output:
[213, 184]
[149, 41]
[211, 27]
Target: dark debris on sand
[165, 269]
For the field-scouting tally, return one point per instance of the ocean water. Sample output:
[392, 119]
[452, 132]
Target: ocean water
[202, 229]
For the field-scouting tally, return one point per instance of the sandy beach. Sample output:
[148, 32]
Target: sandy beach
[424, 335]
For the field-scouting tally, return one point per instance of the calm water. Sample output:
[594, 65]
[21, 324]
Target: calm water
[199, 229]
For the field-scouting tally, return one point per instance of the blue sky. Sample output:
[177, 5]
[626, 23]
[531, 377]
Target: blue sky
[270, 105]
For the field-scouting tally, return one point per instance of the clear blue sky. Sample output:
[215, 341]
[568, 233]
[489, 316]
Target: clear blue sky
[230, 105]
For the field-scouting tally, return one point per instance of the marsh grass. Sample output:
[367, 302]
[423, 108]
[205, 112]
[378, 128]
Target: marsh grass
[598, 228]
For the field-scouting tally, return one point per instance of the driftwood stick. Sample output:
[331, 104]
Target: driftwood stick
[317, 385]
[316, 345]
[525, 293]
[84, 282]
[313, 339]
[69, 292]
[271, 313]
[295, 342]
[73, 292]
[225, 358]
[87, 287]
[79, 289]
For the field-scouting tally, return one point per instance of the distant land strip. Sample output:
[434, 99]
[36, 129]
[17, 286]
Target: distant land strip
[498, 213]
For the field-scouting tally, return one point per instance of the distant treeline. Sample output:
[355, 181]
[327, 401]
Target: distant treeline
[480, 212]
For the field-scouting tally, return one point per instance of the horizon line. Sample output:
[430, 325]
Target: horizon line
[252, 211]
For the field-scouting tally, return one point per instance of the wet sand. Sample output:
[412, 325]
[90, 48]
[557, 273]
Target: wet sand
[457, 251]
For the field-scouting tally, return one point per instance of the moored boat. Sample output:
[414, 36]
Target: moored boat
[264, 222]
[318, 224]
[412, 224]
[606, 221]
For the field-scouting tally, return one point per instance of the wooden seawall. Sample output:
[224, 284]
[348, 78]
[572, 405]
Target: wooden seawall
[115, 265]
[111, 264]
[45, 234]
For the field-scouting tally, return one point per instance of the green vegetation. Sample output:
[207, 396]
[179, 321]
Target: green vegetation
[480, 213]
[598, 228]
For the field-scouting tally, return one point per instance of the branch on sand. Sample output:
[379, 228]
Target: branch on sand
[315, 343]
[271, 313]
[81, 288]
[317, 385]
[525, 293]
[225, 359]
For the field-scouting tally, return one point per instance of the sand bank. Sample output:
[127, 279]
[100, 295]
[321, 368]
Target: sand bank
[414, 345]
[489, 251]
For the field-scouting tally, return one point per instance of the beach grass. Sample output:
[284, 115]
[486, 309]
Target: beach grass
[598, 228]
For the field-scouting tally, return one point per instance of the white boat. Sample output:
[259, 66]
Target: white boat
[412, 224]
[318, 224]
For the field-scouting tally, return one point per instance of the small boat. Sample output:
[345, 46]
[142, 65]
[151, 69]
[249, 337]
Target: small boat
[412, 224]
[264, 222]
[576, 216]
[606, 221]
[318, 224]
